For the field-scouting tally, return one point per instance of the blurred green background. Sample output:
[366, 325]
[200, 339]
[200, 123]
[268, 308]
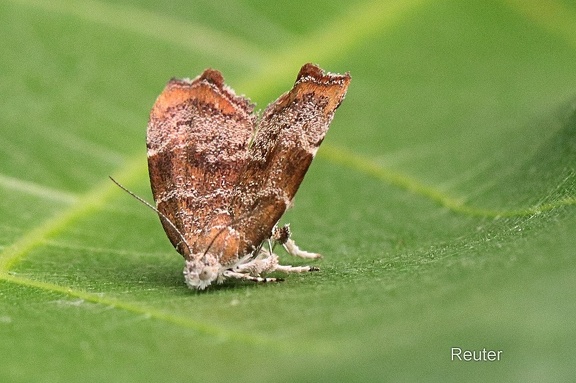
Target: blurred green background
[442, 199]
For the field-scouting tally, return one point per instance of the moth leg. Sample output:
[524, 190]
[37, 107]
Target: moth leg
[295, 269]
[248, 277]
[293, 249]
[271, 245]
[264, 262]
[282, 235]
[267, 262]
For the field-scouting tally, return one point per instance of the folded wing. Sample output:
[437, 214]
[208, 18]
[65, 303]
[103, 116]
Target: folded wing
[197, 141]
[287, 138]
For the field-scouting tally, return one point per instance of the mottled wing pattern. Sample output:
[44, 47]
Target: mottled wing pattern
[287, 138]
[197, 140]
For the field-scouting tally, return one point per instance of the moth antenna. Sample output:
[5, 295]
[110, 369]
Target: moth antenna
[160, 214]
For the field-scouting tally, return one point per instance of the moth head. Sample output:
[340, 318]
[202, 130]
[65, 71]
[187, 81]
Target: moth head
[200, 274]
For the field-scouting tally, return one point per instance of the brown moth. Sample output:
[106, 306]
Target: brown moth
[222, 178]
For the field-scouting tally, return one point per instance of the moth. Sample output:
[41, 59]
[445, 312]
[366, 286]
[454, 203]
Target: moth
[222, 177]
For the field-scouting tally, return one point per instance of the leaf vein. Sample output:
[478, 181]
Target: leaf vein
[147, 312]
[362, 164]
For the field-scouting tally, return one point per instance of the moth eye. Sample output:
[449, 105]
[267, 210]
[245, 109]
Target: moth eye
[205, 274]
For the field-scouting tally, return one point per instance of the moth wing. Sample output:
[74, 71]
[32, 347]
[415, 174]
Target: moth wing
[197, 141]
[287, 138]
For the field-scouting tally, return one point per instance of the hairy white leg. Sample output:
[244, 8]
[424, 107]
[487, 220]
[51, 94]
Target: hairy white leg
[295, 269]
[282, 236]
[294, 250]
[248, 277]
[264, 262]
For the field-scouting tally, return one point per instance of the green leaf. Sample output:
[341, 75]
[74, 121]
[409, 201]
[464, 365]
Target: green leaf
[443, 198]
